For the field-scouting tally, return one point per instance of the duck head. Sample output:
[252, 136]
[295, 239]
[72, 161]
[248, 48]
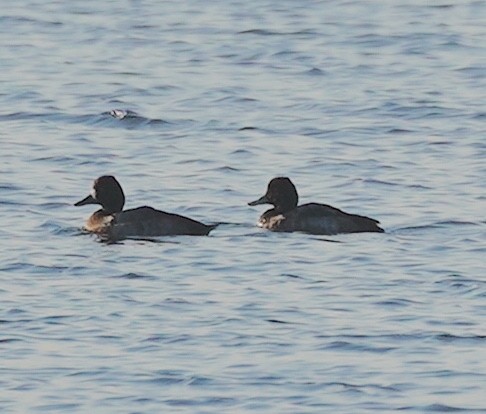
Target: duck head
[281, 193]
[108, 193]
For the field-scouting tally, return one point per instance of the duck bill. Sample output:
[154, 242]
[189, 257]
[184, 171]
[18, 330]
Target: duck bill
[88, 200]
[261, 200]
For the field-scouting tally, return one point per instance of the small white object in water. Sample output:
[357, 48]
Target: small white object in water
[118, 113]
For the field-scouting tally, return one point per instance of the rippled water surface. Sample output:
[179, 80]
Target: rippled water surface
[378, 109]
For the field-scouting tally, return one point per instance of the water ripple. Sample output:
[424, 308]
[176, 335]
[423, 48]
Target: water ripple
[367, 108]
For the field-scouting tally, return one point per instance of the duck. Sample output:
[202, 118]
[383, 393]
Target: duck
[113, 223]
[311, 218]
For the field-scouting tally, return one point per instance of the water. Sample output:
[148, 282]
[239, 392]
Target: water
[374, 108]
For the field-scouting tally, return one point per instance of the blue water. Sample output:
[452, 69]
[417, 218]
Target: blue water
[377, 108]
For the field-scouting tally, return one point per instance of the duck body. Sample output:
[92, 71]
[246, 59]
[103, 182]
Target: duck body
[114, 223]
[312, 218]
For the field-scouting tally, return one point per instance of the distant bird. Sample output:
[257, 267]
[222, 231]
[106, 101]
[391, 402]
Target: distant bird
[114, 223]
[311, 218]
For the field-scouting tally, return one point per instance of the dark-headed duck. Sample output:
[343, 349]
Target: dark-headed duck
[310, 218]
[114, 223]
